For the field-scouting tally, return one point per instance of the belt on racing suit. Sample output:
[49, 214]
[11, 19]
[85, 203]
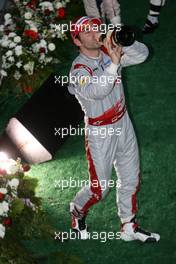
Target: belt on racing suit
[101, 121]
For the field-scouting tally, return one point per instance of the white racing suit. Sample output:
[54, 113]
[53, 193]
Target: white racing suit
[111, 8]
[108, 8]
[155, 7]
[158, 2]
[104, 106]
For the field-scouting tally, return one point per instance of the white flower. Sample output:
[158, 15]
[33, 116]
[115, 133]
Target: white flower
[12, 27]
[9, 53]
[17, 75]
[3, 190]
[1, 210]
[42, 58]
[28, 15]
[8, 22]
[29, 22]
[5, 206]
[12, 45]
[59, 35]
[7, 16]
[13, 183]
[9, 42]
[3, 73]
[51, 47]
[7, 65]
[12, 35]
[5, 37]
[64, 4]
[11, 59]
[5, 43]
[18, 50]
[58, 5]
[19, 64]
[35, 48]
[2, 231]
[17, 39]
[48, 59]
[29, 67]
[34, 28]
[32, 25]
[1, 28]
[43, 43]
[12, 166]
[4, 58]
[46, 5]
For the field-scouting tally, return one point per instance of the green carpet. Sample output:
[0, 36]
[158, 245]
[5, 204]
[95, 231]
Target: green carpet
[151, 96]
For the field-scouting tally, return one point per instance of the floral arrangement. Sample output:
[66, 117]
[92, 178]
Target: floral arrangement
[11, 181]
[27, 37]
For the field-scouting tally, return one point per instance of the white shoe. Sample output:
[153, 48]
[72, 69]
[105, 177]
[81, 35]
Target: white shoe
[149, 27]
[78, 222]
[79, 226]
[131, 231]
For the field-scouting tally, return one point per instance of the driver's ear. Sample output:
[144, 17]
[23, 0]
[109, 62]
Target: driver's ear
[77, 42]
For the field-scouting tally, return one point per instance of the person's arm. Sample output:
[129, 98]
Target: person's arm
[91, 8]
[112, 10]
[85, 84]
[134, 54]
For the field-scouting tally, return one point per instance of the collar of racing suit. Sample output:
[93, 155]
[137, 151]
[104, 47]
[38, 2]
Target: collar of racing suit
[92, 58]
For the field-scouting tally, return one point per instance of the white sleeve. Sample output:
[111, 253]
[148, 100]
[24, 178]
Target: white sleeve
[91, 8]
[134, 54]
[90, 87]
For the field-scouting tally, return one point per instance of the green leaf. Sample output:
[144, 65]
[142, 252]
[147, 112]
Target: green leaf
[27, 187]
[17, 207]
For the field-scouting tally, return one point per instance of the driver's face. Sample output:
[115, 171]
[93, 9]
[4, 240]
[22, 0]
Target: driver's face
[89, 38]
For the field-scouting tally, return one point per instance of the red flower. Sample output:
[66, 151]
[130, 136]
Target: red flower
[7, 221]
[42, 50]
[61, 12]
[3, 172]
[27, 89]
[30, 33]
[1, 196]
[26, 167]
[32, 4]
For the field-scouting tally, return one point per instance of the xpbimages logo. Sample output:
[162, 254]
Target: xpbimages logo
[101, 132]
[103, 28]
[102, 80]
[72, 183]
[102, 236]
